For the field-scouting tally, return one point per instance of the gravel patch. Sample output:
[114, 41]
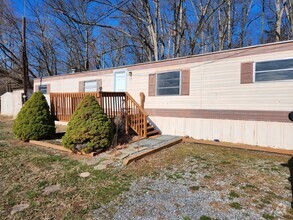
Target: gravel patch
[215, 187]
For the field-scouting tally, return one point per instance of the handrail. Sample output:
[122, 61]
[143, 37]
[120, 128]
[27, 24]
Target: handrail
[73, 93]
[137, 105]
[136, 116]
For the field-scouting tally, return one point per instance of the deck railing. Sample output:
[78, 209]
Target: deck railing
[64, 104]
[136, 116]
[113, 103]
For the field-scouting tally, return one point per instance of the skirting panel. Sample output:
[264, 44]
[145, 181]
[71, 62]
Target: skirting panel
[259, 133]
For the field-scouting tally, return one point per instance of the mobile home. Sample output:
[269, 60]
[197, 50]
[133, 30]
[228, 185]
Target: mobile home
[242, 95]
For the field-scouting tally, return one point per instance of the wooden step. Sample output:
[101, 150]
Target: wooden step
[154, 132]
[150, 127]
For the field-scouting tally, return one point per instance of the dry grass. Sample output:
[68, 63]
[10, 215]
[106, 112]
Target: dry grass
[26, 170]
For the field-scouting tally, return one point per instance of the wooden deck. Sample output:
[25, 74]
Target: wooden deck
[113, 103]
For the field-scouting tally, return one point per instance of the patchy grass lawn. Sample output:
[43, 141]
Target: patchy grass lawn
[26, 170]
[245, 180]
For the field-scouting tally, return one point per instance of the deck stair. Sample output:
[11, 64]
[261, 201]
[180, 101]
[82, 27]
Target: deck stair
[137, 118]
[151, 130]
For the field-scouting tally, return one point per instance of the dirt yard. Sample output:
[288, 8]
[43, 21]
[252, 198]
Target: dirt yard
[186, 181]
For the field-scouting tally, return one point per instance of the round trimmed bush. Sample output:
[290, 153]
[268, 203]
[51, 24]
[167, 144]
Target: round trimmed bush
[34, 121]
[89, 128]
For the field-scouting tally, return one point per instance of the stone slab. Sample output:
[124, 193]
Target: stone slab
[154, 142]
[18, 208]
[122, 156]
[100, 167]
[156, 145]
[50, 189]
[107, 162]
[84, 174]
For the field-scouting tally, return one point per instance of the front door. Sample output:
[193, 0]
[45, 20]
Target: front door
[120, 81]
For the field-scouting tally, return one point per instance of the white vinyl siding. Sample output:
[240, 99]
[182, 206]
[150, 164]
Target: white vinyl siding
[168, 83]
[274, 70]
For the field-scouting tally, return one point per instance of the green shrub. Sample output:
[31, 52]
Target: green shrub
[34, 120]
[89, 128]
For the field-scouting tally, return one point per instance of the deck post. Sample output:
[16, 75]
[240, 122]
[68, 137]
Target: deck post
[126, 114]
[52, 105]
[145, 134]
[101, 99]
[142, 99]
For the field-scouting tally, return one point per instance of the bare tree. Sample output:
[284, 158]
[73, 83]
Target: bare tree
[10, 50]
[203, 11]
[279, 10]
[288, 7]
[98, 34]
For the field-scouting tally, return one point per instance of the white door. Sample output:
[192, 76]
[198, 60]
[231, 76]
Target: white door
[120, 81]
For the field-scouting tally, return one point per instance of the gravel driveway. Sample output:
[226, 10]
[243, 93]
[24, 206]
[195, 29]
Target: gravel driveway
[209, 183]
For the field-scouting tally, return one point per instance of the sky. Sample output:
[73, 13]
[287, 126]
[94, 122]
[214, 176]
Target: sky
[18, 5]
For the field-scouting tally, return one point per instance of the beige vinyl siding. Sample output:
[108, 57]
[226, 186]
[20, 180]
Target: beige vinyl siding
[216, 85]
[213, 85]
[72, 84]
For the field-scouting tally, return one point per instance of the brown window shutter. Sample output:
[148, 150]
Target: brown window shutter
[246, 73]
[81, 86]
[99, 84]
[185, 81]
[152, 84]
[48, 88]
[36, 88]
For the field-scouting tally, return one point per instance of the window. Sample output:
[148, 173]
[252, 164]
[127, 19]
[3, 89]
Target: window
[43, 89]
[168, 83]
[274, 70]
[90, 86]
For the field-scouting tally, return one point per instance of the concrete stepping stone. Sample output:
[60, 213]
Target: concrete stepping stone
[103, 165]
[50, 189]
[122, 156]
[91, 161]
[115, 153]
[84, 174]
[100, 167]
[19, 208]
[106, 162]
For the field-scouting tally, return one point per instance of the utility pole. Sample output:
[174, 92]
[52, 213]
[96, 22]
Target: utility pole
[24, 60]
[142, 55]
[86, 63]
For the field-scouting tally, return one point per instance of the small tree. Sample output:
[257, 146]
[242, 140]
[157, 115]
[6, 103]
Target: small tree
[34, 120]
[89, 128]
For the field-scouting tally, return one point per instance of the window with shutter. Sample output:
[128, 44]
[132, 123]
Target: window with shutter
[170, 83]
[274, 70]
